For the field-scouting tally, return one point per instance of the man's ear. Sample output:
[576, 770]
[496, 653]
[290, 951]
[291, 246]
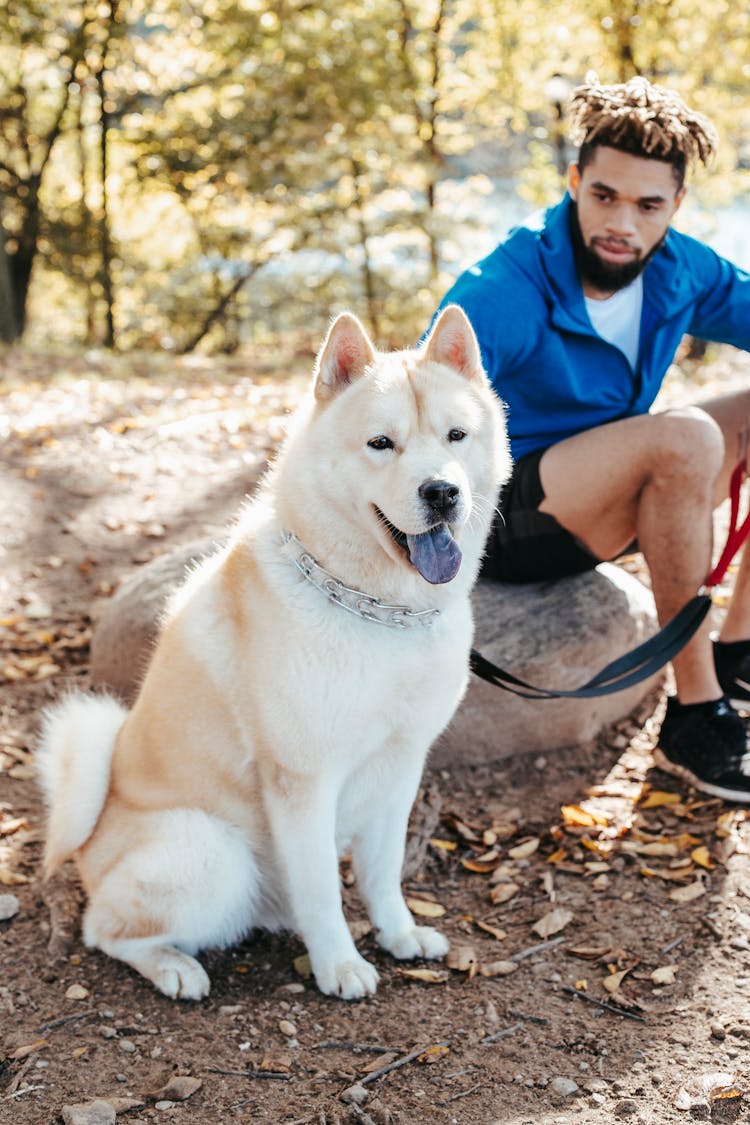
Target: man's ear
[344, 356]
[574, 180]
[679, 197]
[453, 343]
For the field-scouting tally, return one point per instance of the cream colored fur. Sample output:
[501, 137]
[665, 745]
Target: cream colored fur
[273, 729]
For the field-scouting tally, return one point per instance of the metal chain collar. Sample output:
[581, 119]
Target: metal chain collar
[355, 601]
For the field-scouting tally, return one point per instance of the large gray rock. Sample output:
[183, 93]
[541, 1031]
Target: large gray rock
[555, 634]
[124, 637]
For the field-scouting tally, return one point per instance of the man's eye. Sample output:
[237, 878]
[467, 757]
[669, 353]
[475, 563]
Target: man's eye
[456, 434]
[380, 442]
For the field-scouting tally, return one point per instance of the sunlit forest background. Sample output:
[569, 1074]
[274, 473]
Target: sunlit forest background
[205, 175]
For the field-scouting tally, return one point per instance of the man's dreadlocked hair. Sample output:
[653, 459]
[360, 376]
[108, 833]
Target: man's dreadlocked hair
[640, 119]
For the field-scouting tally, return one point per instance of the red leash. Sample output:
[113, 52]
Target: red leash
[737, 534]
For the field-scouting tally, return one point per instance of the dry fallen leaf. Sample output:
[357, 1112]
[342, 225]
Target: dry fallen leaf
[553, 922]
[494, 931]
[180, 1088]
[688, 893]
[657, 798]
[503, 892]
[614, 980]
[24, 1052]
[425, 908]
[664, 975]
[426, 976]
[462, 958]
[498, 968]
[525, 849]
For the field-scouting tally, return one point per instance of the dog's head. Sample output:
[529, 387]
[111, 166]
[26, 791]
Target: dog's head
[408, 447]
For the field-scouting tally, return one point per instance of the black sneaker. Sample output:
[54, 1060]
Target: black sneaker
[705, 744]
[732, 661]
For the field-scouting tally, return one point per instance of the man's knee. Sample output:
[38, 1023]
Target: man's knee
[689, 442]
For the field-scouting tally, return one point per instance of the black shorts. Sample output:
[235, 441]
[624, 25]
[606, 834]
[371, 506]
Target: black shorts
[526, 545]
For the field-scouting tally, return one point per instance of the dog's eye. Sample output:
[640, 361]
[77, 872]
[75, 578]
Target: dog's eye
[380, 442]
[456, 435]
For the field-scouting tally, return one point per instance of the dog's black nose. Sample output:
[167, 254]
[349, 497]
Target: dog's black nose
[440, 495]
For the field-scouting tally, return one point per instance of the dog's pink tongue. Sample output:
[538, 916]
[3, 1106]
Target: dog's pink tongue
[435, 554]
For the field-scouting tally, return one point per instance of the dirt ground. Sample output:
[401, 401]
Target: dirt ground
[599, 915]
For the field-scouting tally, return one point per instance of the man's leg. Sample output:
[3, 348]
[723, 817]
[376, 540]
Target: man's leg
[652, 478]
[657, 478]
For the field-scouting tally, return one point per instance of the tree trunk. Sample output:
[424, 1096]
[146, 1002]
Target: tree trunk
[10, 329]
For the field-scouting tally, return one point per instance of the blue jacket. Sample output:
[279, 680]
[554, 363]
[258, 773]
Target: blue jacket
[555, 374]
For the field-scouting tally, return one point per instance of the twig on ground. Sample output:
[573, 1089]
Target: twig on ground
[523, 1016]
[272, 1075]
[673, 944]
[712, 928]
[539, 948]
[463, 1094]
[84, 1015]
[502, 1034]
[368, 1078]
[373, 1048]
[602, 1004]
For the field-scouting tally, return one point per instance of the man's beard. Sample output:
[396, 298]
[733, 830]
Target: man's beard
[605, 277]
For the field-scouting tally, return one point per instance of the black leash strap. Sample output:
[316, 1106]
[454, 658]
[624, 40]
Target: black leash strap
[635, 666]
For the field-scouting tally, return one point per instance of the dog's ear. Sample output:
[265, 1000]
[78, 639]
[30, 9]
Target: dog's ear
[346, 353]
[452, 342]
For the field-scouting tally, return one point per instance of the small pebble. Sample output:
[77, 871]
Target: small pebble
[566, 1087]
[626, 1108]
[164, 1105]
[9, 907]
[355, 1095]
[286, 1027]
[108, 1032]
[718, 1031]
[127, 1046]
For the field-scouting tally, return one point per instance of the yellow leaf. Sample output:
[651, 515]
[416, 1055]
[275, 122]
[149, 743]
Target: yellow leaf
[461, 958]
[657, 798]
[702, 857]
[581, 985]
[433, 1054]
[582, 818]
[558, 856]
[444, 845]
[423, 908]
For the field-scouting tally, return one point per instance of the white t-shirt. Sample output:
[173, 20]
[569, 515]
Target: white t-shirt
[617, 319]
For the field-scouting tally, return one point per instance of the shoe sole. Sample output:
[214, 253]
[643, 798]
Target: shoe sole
[741, 796]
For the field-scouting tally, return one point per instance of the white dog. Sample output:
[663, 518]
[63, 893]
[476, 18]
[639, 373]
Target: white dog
[300, 677]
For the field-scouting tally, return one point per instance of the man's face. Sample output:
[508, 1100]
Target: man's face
[625, 205]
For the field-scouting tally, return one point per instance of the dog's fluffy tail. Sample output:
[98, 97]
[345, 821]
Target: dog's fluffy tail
[78, 739]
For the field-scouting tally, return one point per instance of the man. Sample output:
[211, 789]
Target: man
[578, 319]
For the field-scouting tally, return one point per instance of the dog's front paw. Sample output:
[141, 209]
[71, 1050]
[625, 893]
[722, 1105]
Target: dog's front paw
[419, 941]
[181, 977]
[351, 980]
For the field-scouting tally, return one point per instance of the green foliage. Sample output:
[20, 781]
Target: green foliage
[269, 163]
